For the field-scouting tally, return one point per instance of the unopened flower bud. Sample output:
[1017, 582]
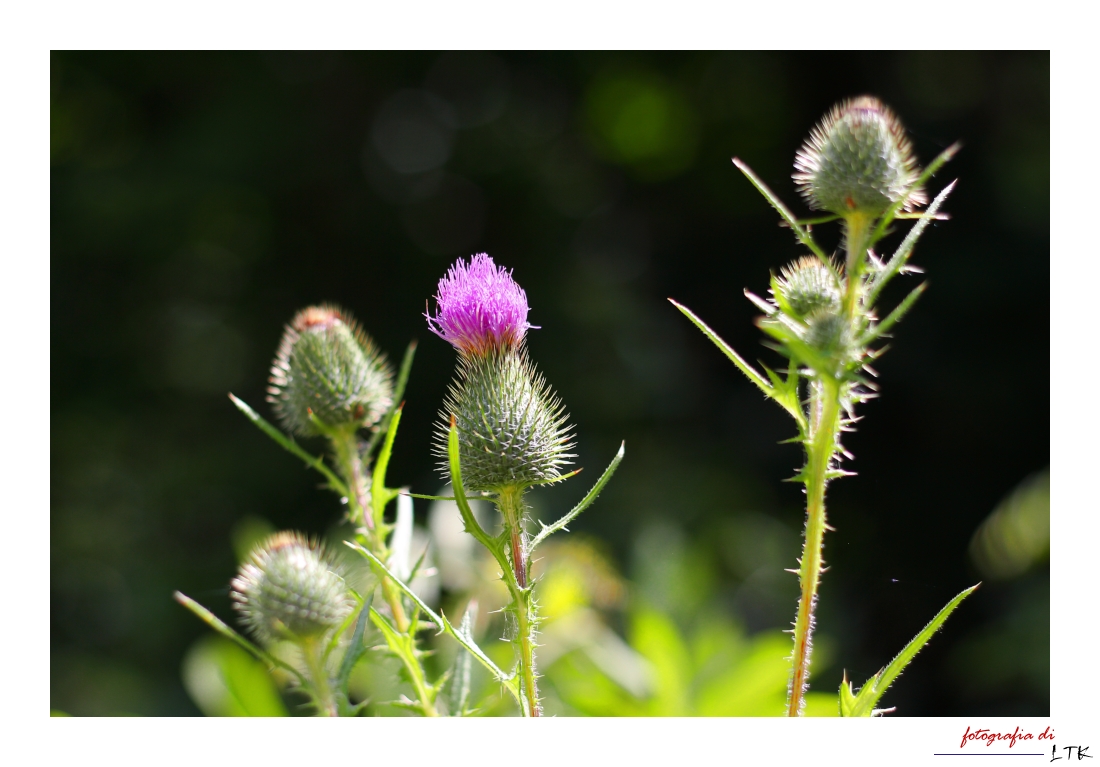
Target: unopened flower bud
[290, 589]
[858, 160]
[805, 287]
[328, 366]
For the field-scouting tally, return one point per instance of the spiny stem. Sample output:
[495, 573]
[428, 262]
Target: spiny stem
[510, 501]
[825, 425]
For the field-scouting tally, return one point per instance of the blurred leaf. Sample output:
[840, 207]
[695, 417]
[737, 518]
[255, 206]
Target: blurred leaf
[224, 680]
[1016, 535]
[657, 639]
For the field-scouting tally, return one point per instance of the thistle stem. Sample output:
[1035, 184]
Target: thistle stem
[510, 502]
[825, 426]
[313, 651]
[350, 465]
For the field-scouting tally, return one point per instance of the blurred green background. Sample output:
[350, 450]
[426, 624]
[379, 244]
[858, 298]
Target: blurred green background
[198, 200]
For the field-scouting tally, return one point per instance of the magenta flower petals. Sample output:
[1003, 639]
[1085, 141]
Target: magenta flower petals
[480, 308]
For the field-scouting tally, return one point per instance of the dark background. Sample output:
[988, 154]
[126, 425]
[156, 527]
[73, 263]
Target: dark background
[198, 200]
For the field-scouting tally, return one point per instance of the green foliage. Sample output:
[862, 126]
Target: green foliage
[863, 703]
[224, 680]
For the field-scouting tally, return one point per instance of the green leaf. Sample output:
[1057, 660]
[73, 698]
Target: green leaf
[380, 494]
[468, 519]
[444, 625]
[901, 255]
[743, 366]
[460, 687]
[398, 403]
[355, 647]
[218, 625]
[895, 316]
[290, 445]
[863, 703]
[585, 502]
[933, 166]
[224, 680]
[803, 236]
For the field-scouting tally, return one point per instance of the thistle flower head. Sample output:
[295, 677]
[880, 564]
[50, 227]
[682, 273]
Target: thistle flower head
[806, 286]
[858, 160]
[512, 428]
[290, 589]
[480, 308]
[328, 367]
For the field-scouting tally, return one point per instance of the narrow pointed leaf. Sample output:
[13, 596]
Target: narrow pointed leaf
[901, 255]
[895, 316]
[220, 626]
[585, 502]
[871, 692]
[355, 647]
[398, 394]
[380, 494]
[290, 445]
[440, 621]
[803, 236]
[743, 366]
[468, 518]
[922, 180]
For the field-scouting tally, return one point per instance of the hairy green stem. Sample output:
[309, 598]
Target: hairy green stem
[825, 426]
[510, 502]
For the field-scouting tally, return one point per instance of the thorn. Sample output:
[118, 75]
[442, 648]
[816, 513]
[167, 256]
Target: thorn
[790, 570]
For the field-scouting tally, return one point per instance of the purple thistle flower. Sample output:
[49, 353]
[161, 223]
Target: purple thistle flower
[480, 308]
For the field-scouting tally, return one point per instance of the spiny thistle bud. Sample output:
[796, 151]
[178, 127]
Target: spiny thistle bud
[480, 308]
[290, 589]
[858, 160]
[512, 429]
[327, 365]
[805, 287]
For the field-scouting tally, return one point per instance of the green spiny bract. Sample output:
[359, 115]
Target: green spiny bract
[512, 429]
[328, 366]
[858, 160]
[290, 589]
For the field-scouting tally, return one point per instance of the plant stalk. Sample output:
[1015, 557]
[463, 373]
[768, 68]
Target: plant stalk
[350, 465]
[825, 426]
[313, 651]
[510, 501]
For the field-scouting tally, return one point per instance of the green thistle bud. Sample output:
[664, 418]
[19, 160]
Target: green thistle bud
[805, 287]
[326, 365]
[858, 160]
[290, 589]
[512, 429]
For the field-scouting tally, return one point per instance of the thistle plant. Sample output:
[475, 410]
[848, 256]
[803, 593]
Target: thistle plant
[858, 168]
[329, 380]
[502, 431]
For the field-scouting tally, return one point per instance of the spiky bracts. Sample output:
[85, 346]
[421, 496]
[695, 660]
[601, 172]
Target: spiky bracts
[329, 367]
[480, 308]
[290, 589]
[512, 429]
[858, 160]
